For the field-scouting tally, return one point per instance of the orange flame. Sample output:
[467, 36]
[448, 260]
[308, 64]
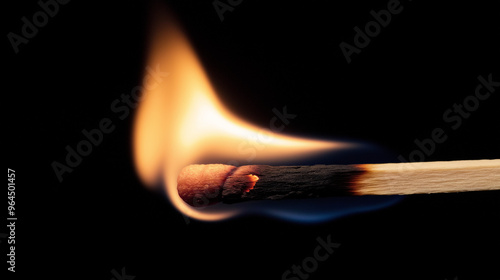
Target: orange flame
[180, 121]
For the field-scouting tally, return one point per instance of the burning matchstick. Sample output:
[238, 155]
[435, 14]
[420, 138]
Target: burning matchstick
[201, 185]
[182, 121]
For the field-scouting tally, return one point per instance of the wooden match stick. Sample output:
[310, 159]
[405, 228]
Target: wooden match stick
[201, 185]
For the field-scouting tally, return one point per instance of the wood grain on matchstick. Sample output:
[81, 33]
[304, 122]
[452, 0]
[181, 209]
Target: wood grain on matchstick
[200, 185]
[430, 177]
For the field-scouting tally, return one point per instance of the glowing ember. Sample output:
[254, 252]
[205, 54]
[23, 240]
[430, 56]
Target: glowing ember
[181, 122]
[252, 179]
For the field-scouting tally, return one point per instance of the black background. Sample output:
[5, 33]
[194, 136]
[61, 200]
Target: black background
[262, 56]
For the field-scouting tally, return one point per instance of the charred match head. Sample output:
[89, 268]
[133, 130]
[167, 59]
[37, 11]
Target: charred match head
[202, 185]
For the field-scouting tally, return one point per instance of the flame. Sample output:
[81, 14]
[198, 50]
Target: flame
[180, 121]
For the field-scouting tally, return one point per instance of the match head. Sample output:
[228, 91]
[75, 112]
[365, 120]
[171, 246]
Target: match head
[201, 184]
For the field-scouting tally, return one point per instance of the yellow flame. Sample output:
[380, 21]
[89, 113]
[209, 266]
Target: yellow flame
[181, 121]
